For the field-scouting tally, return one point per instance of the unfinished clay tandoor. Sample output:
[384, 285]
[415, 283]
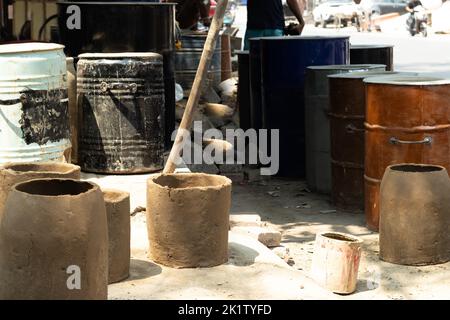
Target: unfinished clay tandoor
[12, 173]
[188, 219]
[117, 204]
[54, 241]
[415, 215]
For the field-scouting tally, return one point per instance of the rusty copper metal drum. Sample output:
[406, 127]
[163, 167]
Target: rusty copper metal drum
[225, 57]
[373, 53]
[347, 115]
[407, 121]
[317, 125]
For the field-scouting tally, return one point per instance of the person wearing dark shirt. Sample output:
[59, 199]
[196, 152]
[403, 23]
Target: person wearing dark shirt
[265, 18]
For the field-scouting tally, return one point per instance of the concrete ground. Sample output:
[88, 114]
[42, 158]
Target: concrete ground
[254, 271]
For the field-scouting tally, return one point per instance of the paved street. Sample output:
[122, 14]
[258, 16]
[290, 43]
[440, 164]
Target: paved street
[428, 55]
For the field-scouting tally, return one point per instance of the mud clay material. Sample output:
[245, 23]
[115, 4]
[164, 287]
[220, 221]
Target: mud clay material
[118, 215]
[188, 219]
[12, 173]
[415, 215]
[54, 241]
[336, 261]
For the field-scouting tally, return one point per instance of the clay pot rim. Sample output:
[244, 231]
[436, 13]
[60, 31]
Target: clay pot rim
[120, 195]
[94, 188]
[71, 168]
[436, 168]
[413, 80]
[226, 181]
[352, 240]
[370, 74]
[348, 67]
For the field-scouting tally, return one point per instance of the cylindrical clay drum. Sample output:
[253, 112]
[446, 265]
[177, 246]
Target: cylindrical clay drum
[336, 261]
[121, 100]
[54, 241]
[347, 116]
[12, 173]
[117, 205]
[34, 117]
[188, 219]
[415, 215]
[317, 124]
[407, 121]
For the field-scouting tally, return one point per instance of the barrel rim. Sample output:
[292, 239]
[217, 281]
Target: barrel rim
[370, 46]
[417, 80]
[129, 3]
[367, 74]
[29, 47]
[120, 55]
[347, 67]
[302, 38]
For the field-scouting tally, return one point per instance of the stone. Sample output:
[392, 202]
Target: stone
[245, 219]
[267, 236]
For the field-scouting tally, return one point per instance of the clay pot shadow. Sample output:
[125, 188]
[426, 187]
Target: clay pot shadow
[141, 269]
[364, 285]
[241, 256]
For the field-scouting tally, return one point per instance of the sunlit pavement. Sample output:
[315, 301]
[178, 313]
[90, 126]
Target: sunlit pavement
[425, 55]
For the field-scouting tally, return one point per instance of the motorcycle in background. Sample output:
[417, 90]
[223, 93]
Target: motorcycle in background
[417, 21]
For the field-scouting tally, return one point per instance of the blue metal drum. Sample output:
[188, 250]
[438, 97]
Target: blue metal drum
[255, 84]
[283, 66]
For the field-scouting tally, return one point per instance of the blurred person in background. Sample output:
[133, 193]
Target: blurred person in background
[265, 18]
[190, 12]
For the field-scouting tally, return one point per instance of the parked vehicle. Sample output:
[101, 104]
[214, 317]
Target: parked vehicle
[380, 7]
[417, 22]
[329, 11]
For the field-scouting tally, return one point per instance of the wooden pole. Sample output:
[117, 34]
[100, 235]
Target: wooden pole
[200, 78]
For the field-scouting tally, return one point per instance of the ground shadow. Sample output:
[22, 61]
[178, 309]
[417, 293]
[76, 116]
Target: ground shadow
[141, 269]
[241, 256]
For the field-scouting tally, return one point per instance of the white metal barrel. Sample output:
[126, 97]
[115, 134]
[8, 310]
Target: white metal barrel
[34, 117]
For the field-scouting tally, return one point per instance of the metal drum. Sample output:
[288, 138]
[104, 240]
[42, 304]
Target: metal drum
[347, 115]
[34, 115]
[114, 27]
[244, 89]
[283, 63]
[407, 121]
[187, 59]
[255, 84]
[373, 53]
[121, 99]
[317, 124]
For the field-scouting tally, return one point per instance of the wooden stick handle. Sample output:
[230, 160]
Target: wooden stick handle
[200, 77]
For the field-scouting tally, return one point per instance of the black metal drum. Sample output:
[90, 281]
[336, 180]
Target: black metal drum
[121, 104]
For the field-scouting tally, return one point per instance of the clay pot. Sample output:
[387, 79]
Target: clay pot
[336, 261]
[12, 173]
[188, 219]
[54, 241]
[415, 215]
[118, 215]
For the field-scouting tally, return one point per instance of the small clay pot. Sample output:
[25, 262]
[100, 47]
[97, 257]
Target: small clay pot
[188, 219]
[12, 173]
[54, 241]
[415, 215]
[117, 204]
[336, 261]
